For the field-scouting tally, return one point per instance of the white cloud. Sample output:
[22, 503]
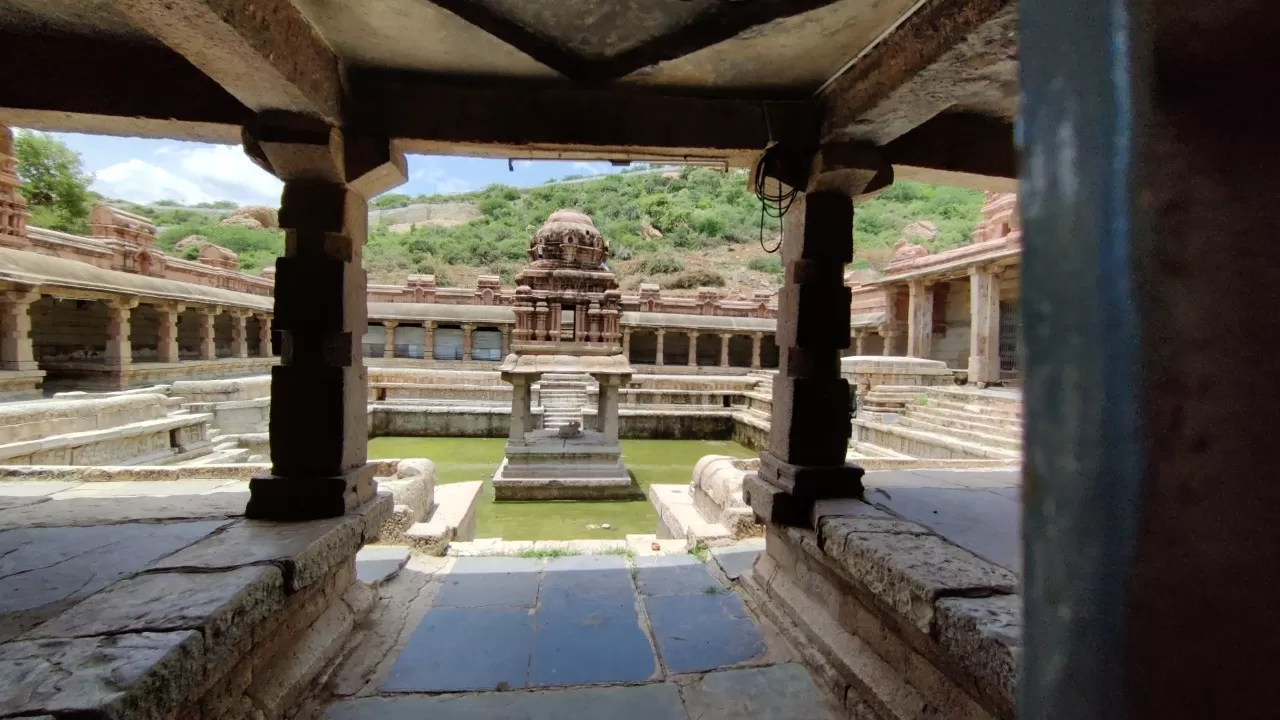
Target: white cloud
[190, 173]
[140, 181]
[591, 168]
[452, 185]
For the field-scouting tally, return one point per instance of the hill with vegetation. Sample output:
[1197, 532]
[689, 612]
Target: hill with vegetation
[681, 227]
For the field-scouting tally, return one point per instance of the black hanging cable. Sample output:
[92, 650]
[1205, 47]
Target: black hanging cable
[780, 201]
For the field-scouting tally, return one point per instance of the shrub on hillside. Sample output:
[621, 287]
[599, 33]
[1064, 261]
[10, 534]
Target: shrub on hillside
[661, 265]
[695, 279]
[766, 264]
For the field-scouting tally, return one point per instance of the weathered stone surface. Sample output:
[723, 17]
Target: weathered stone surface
[46, 570]
[984, 636]
[17, 493]
[305, 551]
[135, 675]
[223, 606]
[138, 501]
[870, 523]
[781, 692]
[908, 572]
[376, 564]
[645, 702]
[415, 467]
[277, 686]
[736, 560]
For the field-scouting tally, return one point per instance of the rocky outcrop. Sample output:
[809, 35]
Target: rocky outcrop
[252, 216]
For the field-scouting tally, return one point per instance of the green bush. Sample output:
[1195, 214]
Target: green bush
[661, 265]
[695, 279]
[766, 264]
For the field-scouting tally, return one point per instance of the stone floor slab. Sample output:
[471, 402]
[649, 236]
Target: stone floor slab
[465, 649]
[17, 493]
[984, 522]
[101, 510]
[375, 564]
[674, 575]
[780, 692]
[736, 560]
[696, 633]
[646, 702]
[491, 581]
[588, 642]
[46, 570]
[595, 579]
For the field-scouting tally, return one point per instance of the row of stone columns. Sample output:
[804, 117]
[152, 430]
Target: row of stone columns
[17, 350]
[756, 341]
[389, 339]
[984, 324]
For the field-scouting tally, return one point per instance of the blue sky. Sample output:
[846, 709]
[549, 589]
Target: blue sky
[144, 171]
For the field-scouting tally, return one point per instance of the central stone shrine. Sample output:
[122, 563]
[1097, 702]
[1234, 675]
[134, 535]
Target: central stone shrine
[567, 307]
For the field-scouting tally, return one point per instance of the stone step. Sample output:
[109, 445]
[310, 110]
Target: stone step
[221, 456]
[866, 449]
[977, 437]
[452, 518]
[1010, 411]
[925, 444]
[1009, 429]
[936, 411]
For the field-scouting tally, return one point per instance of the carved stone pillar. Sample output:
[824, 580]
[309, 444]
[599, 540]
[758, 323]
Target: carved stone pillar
[809, 439]
[919, 319]
[119, 350]
[264, 335]
[757, 338]
[16, 349]
[319, 424]
[466, 340]
[429, 339]
[506, 340]
[890, 335]
[659, 333]
[984, 326]
[607, 408]
[693, 348]
[859, 341]
[239, 333]
[520, 410]
[167, 348]
[724, 349]
[389, 338]
[626, 342]
[208, 336]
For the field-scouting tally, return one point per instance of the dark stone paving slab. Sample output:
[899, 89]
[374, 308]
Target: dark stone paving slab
[587, 578]
[780, 692]
[736, 560]
[648, 702]
[376, 564]
[590, 642]
[455, 650]
[673, 575]
[979, 511]
[46, 570]
[703, 632]
[490, 581]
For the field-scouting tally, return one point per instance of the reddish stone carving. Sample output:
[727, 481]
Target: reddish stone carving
[567, 272]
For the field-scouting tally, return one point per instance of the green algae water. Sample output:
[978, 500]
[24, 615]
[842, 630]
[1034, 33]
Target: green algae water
[652, 461]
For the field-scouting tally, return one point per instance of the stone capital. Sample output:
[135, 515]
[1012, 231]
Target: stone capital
[169, 307]
[124, 302]
[20, 294]
[390, 323]
[210, 310]
[240, 313]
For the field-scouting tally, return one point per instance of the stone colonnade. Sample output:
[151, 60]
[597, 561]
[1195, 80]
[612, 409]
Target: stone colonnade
[17, 351]
[522, 418]
[757, 338]
[984, 324]
[429, 328]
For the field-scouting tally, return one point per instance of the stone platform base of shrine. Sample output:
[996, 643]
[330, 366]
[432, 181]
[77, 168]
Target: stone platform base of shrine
[545, 466]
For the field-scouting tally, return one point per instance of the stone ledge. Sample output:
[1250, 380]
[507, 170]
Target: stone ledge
[452, 518]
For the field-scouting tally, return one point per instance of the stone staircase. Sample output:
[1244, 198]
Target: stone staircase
[938, 423]
[563, 396]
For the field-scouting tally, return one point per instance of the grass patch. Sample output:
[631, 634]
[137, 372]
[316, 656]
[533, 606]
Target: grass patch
[711, 590]
[624, 552]
[547, 553]
[700, 551]
[922, 399]
[652, 461]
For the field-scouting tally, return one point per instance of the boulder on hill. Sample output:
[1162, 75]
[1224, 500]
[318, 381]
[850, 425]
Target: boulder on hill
[925, 229]
[252, 216]
[190, 241]
[241, 221]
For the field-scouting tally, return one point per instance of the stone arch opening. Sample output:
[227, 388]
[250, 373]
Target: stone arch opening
[253, 330]
[189, 334]
[740, 351]
[769, 351]
[708, 349]
[675, 348]
[144, 333]
[65, 330]
[644, 347]
[222, 334]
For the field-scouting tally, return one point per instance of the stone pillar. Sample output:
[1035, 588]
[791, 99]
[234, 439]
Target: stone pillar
[264, 335]
[724, 349]
[519, 406]
[506, 340]
[757, 338]
[167, 348]
[984, 326]
[466, 340]
[811, 424]
[920, 319]
[239, 333]
[607, 408]
[389, 338]
[659, 333]
[626, 343]
[119, 350]
[208, 344]
[319, 424]
[693, 348]
[890, 335]
[16, 349]
[859, 341]
[429, 340]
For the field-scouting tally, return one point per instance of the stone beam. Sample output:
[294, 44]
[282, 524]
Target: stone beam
[539, 121]
[104, 86]
[264, 53]
[959, 149]
[949, 53]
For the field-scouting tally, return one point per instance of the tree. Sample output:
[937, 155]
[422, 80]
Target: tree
[55, 184]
